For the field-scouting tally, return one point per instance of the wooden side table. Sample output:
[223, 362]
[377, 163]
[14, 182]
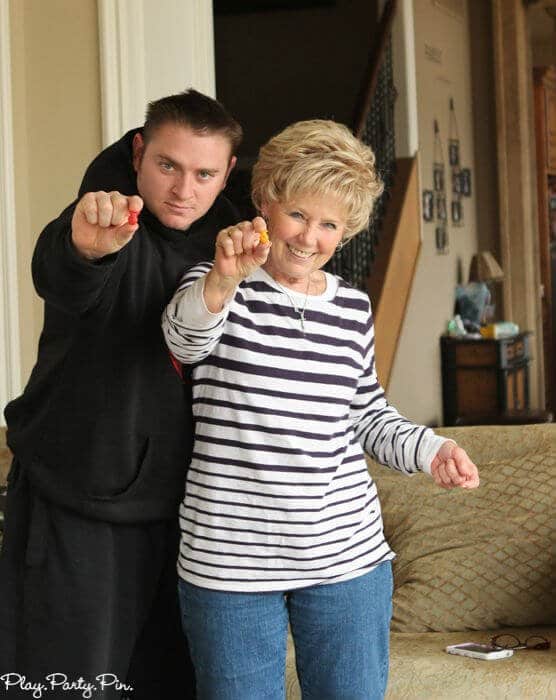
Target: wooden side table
[484, 377]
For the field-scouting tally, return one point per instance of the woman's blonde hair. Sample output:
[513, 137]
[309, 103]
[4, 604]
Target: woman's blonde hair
[323, 158]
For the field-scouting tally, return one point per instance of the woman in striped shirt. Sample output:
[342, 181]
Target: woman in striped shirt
[281, 522]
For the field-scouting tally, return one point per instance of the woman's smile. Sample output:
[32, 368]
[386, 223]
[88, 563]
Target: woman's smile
[300, 253]
[304, 233]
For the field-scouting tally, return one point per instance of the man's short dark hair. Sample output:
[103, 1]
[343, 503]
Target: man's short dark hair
[192, 109]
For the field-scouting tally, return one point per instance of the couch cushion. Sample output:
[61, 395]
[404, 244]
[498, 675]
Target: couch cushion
[483, 559]
[420, 669]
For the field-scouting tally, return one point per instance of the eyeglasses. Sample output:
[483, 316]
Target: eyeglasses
[510, 641]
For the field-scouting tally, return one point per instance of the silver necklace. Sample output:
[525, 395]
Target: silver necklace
[300, 311]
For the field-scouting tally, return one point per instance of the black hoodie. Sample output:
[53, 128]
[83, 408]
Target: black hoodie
[104, 424]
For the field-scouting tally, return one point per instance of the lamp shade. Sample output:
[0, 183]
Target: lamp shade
[484, 268]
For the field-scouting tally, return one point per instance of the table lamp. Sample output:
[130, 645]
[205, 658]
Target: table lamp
[483, 271]
[484, 268]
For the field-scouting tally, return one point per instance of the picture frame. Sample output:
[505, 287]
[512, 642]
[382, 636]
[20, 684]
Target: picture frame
[457, 212]
[453, 151]
[441, 239]
[465, 181]
[457, 183]
[438, 177]
[428, 205]
[440, 201]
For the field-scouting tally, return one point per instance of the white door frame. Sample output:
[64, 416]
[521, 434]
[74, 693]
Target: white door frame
[175, 53]
[148, 49]
[10, 363]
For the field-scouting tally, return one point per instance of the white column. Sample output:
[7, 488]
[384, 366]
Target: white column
[405, 80]
[148, 49]
[10, 366]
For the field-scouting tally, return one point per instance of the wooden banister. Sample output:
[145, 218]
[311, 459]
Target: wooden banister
[389, 284]
[370, 78]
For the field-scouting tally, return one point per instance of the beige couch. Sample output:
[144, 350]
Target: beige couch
[469, 563]
[472, 564]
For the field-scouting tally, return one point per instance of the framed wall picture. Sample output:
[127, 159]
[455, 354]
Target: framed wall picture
[457, 212]
[453, 151]
[428, 205]
[441, 236]
[465, 180]
[457, 185]
[438, 195]
[438, 177]
[441, 213]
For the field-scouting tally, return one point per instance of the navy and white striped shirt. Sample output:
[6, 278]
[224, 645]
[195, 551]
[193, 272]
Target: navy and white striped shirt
[278, 495]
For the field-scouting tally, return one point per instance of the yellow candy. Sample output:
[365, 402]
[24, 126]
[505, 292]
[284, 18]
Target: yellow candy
[263, 237]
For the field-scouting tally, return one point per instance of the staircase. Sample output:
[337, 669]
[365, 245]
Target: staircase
[382, 260]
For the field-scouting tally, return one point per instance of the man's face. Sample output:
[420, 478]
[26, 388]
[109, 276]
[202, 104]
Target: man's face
[180, 173]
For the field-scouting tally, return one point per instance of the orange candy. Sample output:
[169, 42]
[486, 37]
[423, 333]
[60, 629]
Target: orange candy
[263, 237]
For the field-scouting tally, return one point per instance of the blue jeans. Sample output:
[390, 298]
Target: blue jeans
[340, 631]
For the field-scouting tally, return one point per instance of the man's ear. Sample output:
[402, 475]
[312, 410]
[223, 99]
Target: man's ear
[231, 166]
[138, 147]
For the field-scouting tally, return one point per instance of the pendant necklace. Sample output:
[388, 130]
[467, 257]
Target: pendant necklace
[297, 309]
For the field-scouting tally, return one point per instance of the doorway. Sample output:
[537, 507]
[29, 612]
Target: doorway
[279, 62]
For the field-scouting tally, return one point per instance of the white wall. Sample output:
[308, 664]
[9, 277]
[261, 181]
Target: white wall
[406, 114]
[55, 130]
[415, 384]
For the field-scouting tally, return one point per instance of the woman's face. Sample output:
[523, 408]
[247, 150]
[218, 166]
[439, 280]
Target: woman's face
[304, 233]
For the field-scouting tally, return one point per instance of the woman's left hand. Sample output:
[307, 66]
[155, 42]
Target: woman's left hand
[451, 467]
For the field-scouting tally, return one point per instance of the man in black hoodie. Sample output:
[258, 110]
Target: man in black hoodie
[102, 433]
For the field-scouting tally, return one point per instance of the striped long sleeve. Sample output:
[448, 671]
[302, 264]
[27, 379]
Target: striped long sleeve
[278, 494]
[385, 435]
[190, 329]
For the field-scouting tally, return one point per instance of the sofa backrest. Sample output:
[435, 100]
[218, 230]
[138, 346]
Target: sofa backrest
[482, 559]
